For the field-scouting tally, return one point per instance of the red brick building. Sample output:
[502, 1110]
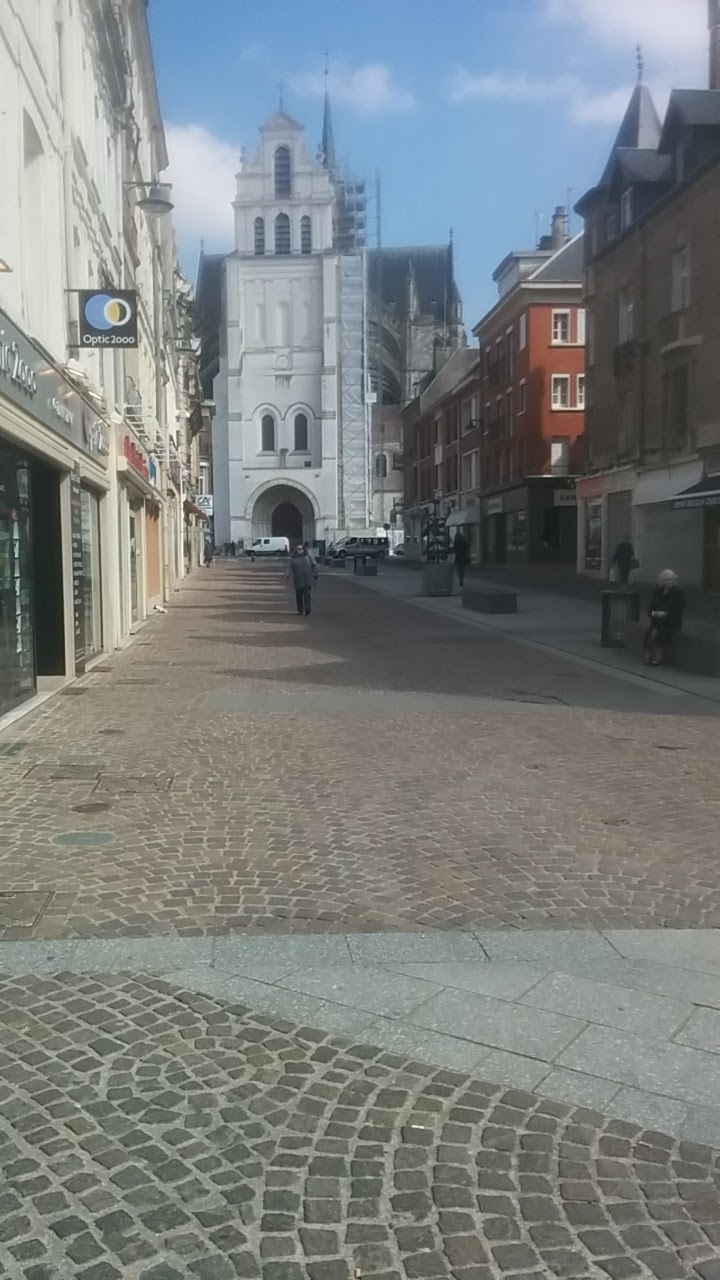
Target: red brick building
[532, 347]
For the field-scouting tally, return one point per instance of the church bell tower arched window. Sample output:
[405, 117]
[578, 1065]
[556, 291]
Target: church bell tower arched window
[282, 234]
[305, 235]
[259, 236]
[283, 173]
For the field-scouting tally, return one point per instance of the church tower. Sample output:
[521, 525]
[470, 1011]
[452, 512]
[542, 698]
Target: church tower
[278, 397]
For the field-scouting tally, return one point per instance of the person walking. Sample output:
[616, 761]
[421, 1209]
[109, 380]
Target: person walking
[303, 573]
[667, 606]
[623, 561]
[461, 548]
[209, 553]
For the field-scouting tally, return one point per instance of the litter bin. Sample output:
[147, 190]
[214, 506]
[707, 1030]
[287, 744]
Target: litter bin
[618, 608]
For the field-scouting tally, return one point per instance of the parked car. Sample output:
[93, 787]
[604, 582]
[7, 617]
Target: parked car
[268, 547]
[399, 550]
[374, 548]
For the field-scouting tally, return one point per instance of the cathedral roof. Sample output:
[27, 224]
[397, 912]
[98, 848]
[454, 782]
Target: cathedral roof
[281, 122]
[431, 270]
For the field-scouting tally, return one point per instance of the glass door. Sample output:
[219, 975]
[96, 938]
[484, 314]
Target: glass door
[17, 647]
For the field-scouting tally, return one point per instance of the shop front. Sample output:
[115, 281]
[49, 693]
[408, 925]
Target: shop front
[531, 523]
[54, 453]
[139, 531]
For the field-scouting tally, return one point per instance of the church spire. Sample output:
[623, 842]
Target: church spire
[328, 138]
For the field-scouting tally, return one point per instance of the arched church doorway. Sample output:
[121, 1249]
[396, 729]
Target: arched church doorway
[287, 522]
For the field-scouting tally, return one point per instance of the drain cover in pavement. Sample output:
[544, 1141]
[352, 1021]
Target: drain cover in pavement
[64, 772]
[22, 908]
[92, 806]
[83, 839]
[118, 784]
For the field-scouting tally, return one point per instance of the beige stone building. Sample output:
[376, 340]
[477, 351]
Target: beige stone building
[652, 282]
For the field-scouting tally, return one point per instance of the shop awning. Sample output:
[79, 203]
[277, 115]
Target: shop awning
[706, 493]
[191, 509]
[666, 484]
[470, 515]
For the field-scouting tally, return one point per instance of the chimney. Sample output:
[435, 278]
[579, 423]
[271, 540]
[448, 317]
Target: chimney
[714, 29]
[558, 225]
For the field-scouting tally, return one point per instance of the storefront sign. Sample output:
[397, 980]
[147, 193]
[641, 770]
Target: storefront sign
[29, 380]
[108, 318]
[205, 502]
[693, 504]
[137, 458]
[565, 498]
[494, 506]
[76, 536]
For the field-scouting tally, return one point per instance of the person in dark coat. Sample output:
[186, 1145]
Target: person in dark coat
[667, 606]
[303, 573]
[623, 560]
[461, 549]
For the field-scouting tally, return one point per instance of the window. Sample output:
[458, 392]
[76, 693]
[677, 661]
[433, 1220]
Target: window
[305, 235]
[626, 317]
[580, 398]
[561, 391]
[469, 414]
[380, 466]
[626, 210]
[470, 471]
[522, 397]
[611, 225]
[259, 236]
[522, 332]
[581, 325]
[561, 327]
[282, 234]
[560, 456]
[626, 415]
[676, 396]
[681, 279]
[509, 412]
[301, 433]
[283, 167]
[267, 431]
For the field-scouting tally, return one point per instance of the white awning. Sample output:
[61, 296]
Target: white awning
[469, 515]
[665, 484]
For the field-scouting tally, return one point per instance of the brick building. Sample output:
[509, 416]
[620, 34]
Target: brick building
[532, 346]
[441, 451]
[652, 252]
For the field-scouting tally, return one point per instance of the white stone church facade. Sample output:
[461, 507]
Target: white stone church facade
[291, 438]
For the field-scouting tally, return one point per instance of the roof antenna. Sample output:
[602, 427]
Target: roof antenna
[640, 63]
[281, 87]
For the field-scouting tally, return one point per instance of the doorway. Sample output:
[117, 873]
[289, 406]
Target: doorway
[47, 552]
[712, 550]
[134, 610]
[287, 522]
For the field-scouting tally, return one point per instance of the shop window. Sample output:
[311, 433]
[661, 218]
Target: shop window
[516, 531]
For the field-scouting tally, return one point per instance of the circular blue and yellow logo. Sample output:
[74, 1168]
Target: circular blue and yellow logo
[104, 312]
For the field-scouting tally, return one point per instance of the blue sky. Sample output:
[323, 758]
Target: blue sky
[478, 114]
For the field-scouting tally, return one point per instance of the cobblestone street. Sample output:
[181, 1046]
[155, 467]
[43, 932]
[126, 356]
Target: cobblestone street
[395, 954]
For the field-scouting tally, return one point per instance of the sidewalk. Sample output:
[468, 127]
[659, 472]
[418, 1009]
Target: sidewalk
[555, 622]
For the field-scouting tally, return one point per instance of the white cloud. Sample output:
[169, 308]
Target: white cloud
[202, 171]
[369, 89]
[671, 33]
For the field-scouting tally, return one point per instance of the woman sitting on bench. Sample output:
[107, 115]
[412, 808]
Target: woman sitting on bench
[666, 610]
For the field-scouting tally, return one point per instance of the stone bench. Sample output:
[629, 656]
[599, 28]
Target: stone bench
[483, 599]
[691, 650]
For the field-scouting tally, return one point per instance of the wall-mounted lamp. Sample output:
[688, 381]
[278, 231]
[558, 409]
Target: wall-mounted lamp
[5, 268]
[156, 200]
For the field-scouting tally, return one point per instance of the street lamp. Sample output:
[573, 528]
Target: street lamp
[156, 200]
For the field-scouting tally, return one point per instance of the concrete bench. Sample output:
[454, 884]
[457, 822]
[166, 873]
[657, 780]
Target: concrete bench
[483, 599]
[691, 650]
[331, 563]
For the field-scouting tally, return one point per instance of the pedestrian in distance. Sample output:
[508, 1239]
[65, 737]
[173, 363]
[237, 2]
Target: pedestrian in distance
[667, 606]
[209, 554]
[461, 548]
[302, 571]
[623, 561]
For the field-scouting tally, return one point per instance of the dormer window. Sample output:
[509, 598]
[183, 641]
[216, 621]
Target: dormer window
[283, 173]
[626, 210]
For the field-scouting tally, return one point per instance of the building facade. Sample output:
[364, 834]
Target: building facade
[87, 418]
[291, 439]
[652, 276]
[532, 404]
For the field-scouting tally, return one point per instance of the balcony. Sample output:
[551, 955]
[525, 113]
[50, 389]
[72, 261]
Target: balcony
[625, 357]
[679, 329]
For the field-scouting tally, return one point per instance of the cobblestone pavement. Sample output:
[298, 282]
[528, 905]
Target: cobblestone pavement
[148, 1133]
[372, 767]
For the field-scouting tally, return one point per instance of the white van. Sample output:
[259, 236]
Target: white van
[268, 547]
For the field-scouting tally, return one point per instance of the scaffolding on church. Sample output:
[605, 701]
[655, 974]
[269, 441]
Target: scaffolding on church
[354, 436]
